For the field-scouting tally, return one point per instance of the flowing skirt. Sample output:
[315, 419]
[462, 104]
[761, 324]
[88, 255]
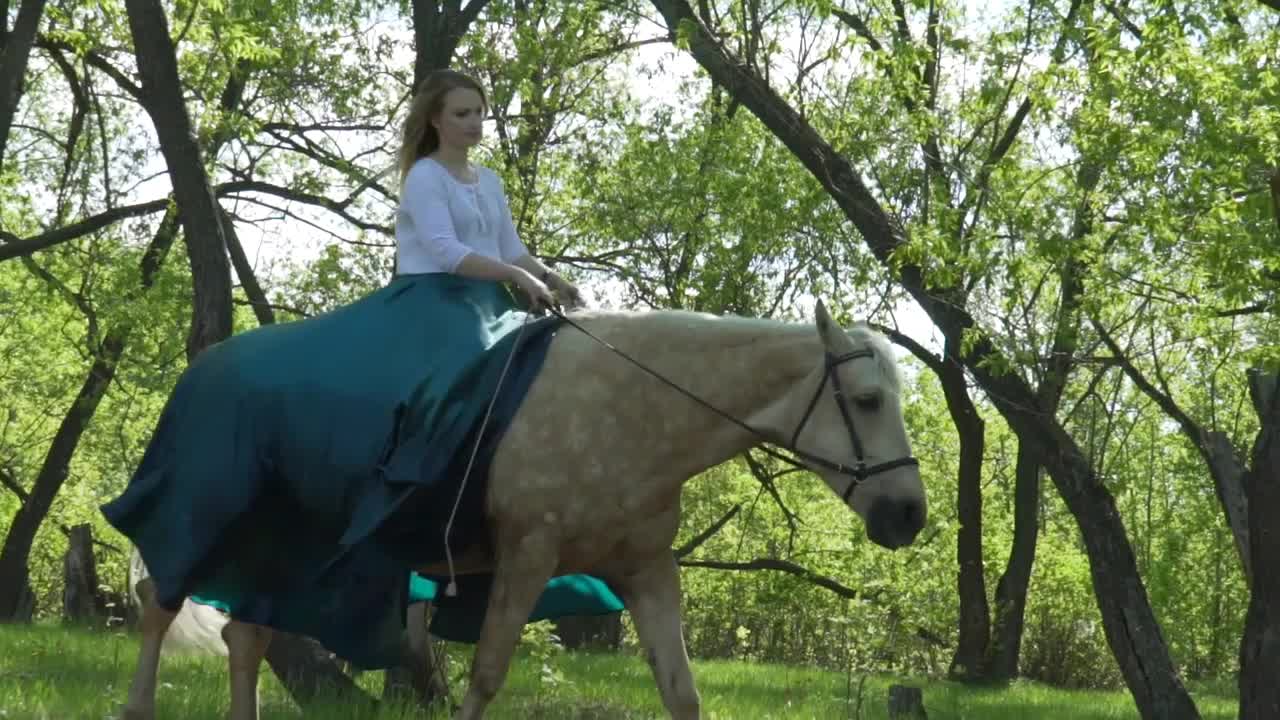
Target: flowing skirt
[299, 470]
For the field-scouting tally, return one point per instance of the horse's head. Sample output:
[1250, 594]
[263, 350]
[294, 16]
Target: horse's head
[851, 431]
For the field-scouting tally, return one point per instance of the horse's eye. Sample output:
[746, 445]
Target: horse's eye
[867, 403]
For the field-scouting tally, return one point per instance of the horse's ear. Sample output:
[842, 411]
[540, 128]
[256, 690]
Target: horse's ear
[827, 328]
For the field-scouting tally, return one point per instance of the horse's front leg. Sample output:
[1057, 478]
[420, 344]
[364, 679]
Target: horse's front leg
[652, 594]
[521, 573]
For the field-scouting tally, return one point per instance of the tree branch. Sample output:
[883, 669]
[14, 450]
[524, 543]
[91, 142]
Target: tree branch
[787, 567]
[1123, 20]
[765, 479]
[1253, 309]
[706, 535]
[12, 246]
[13, 63]
[95, 60]
[932, 360]
[338, 207]
[8, 480]
[75, 128]
[1010, 134]
[1165, 401]
[859, 27]
[75, 298]
[614, 50]
[273, 306]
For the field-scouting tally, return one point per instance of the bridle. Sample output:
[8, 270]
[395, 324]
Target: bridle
[857, 473]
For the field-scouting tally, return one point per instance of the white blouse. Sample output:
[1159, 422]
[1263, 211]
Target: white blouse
[442, 219]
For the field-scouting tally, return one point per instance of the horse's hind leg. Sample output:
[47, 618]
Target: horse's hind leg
[652, 595]
[521, 572]
[141, 704]
[246, 644]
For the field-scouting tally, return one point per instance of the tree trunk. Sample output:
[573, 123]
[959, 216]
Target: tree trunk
[202, 228]
[1228, 470]
[17, 545]
[53, 472]
[82, 601]
[975, 613]
[13, 63]
[1011, 591]
[968, 662]
[301, 664]
[1260, 646]
[437, 30]
[1130, 624]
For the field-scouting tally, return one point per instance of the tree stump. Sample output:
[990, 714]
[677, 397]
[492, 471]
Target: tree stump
[82, 601]
[26, 604]
[590, 631]
[906, 703]
[310, 675]
[421, 675]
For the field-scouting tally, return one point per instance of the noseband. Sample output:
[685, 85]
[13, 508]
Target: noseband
[858, 473]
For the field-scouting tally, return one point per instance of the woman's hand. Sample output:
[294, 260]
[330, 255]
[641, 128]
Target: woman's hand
[567, 291]
[537, 291]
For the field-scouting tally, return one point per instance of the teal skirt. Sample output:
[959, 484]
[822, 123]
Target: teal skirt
[299, 470]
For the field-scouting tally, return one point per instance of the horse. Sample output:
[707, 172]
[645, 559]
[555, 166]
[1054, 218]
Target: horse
[627, 407]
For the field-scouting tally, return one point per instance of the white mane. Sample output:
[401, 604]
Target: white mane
[637, 328]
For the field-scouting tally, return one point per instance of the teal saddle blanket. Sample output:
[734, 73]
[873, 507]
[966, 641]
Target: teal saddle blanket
[299, 471]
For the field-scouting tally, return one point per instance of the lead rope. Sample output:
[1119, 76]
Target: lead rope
[451, 590]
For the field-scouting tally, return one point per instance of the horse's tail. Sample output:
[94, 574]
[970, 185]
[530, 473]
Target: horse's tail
[197, 629]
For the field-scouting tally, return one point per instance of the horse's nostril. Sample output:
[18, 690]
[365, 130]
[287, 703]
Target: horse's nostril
[912, 516]
[895, 523]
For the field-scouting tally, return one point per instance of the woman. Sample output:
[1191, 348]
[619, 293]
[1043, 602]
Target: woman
[299, 468]
[455, 242]
[454, 216]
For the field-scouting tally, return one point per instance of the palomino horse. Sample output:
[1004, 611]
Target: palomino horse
[588, 476]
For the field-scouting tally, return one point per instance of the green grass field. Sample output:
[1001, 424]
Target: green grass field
[63, 674]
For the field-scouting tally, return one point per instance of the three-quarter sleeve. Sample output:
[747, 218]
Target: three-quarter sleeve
[425, 199]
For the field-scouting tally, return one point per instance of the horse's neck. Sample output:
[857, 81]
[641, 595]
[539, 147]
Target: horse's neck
[746, 368]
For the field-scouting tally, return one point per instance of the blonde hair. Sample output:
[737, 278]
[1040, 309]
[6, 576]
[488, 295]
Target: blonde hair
[419, 137]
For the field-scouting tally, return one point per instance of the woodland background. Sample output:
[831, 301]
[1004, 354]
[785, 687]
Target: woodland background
[1065, 213]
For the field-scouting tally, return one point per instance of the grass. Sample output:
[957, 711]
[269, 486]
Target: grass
[49, 672]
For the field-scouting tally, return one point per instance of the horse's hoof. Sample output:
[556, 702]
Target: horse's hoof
[137, 714]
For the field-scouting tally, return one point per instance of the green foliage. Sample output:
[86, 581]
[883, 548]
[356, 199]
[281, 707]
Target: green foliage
[54, 672]
[1142, 161]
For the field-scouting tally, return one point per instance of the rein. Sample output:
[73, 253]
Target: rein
[857, 473]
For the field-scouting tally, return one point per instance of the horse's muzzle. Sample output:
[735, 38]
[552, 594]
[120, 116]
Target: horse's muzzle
[895, 522]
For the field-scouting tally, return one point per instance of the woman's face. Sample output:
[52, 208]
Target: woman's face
[461, 120]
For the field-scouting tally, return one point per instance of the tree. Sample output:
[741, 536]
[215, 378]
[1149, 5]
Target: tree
[1132, 629]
